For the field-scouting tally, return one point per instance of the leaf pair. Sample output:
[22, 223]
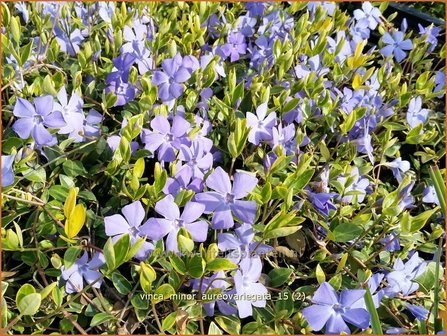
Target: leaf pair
[74, 214]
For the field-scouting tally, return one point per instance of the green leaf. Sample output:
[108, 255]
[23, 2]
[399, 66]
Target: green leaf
[405, 222]
[121, 248]
[220, 264]
[30, 304]
[124, 148]
[100, 318]
[121, 284]
[196, 266]
[414, 136]
[23, 291]
[47, 290]
[185, 244]
[300, 180]
[346, 231]
[439, 184]
[266, 193]
[279, 276]
[138, 169]
[134, 248]
[36, 175]
[282, 224]
[238, 138]
[109, 255]
[375, 321]
[147, 276]
[162, 293]
[284, 305]
[57, 296]
[427, 279]
[25, 52]
[19, 234]
[281, 232]
[70, 256]
[418, 222]
[4, 287]
[70, 202]
[160, 182]
[74, 168]
[319, 273]
[15, 29]
[230, 324]
[213, 328]
[177, 263]
[238, 93]
[169, 321]
[290, 105]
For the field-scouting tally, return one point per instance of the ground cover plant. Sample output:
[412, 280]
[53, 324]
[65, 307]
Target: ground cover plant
[209, 168]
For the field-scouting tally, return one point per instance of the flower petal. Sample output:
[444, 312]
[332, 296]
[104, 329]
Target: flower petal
[134, 213]
[167, 208]
[192, 211]
[23, 108]
[179, 126]
[210, 199]
[41, 135]
[44, 105]
[325, 295]
[336, 325]
[358, 317]
[156, 228]
[244, 210]
[227, 241]
[243, 184]
[23, 127]
[349, 296]
[198, 230]
[222, 219]
[317, 316]
[115, 225]
[219, 180]
[161, 124]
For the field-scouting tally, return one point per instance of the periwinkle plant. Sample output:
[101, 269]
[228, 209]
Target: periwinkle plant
[209, 168]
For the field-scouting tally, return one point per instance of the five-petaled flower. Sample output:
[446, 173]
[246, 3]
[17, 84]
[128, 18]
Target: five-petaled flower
[7, 170]
[261, 124]
[173, 221]
[33, 120]
[117, 225]
[401, 279]
[416, 114]
[249, 291]
[169, 81]
[334, 311]
[166, 139]
[225, 200]
[396, 44]
[82, 270]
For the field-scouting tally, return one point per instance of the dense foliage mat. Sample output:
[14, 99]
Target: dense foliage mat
[208, 168]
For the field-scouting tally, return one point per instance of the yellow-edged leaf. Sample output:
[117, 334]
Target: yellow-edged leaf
[70, 202]
[75, 221]
[342, 262]
[356, 82]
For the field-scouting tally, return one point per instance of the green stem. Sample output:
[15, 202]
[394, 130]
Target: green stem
[157, 320]
[438, 324]
[439, 184]
[422, 327]
[232, 165]
[375, 322]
